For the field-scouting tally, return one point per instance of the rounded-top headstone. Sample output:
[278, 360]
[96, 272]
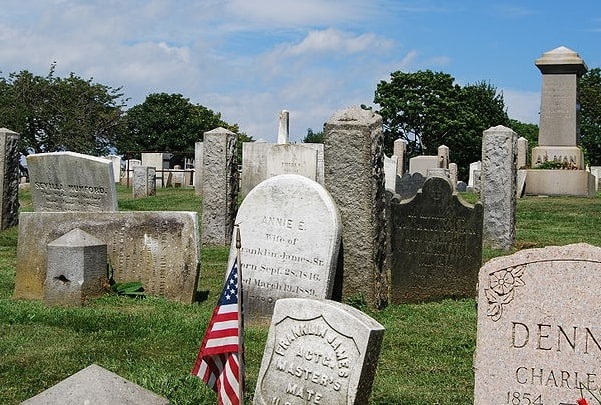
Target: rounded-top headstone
[290, 233]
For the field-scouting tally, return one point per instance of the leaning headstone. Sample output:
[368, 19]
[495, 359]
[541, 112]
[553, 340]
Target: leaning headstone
[9, 178]
[355, 179]
[96, 385]
[76, 271]
[318, 352]
[144, 182]
[290, 233]
[69, 181]
[538, 334]
[158, 249]
[498, 182]
[436, 244]
[220, 187]
[409, 184]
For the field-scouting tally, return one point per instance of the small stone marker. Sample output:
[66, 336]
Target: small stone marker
[77, 269]
[318, 352]
[436, 243]
[290, 232]
[95, 385]
[539, 337]
[68, 181]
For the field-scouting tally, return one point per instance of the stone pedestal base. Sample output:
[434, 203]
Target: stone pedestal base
[569, 155]
[560, 182]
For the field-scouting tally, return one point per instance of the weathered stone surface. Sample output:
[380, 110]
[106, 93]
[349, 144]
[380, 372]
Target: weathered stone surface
[9, 178]
[116, 162]
[290, 233]
[538, 333]
[68, 181]
[461, 186]
[334, 345]
[284, 127]
[159, 249]
[292, 159]
[220, 187]
[254, 165]
[475, 167]
[390, 172]
[421, 164]
[76, 269]
[399, 148]
[98, 386]
[436, 244]
[198, 167]
[498, 182]
[355, 179]
[522, 162]
[144, 182]
[408, 185]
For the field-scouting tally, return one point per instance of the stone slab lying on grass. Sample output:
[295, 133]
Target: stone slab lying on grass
[158, 248]
[98, 386]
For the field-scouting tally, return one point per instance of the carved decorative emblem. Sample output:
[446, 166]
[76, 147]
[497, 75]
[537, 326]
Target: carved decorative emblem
[501, 289]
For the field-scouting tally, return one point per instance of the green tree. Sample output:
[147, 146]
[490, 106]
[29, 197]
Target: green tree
[57, 114]
[589, 97]
[313, 137]
[168, 122]
[528, 131]
[428, 109]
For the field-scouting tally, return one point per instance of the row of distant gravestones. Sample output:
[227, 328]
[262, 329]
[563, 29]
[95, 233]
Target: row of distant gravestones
[291, 234]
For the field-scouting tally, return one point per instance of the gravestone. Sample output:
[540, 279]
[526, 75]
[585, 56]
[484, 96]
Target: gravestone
[116, 161]
[158, 249]
[76, 269]
[284, 127]
[409, 184]
[461, 186]
[220, 187]
[98, 386]
[198, 167]
[318, 352]
[68, 181]
[292, 159]
[453, 174]
[144, 182]
[474, 167]
[443, 156]
[436, 244]
[522, 162]
[390, 172]
[290, 233]
[421, 164]
[559, 131]
[399, 148]
[498, 182]
[538, 336]
[9, 178]
[355, 179]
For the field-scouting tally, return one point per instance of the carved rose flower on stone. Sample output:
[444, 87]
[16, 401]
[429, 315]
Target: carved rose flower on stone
[501, 289]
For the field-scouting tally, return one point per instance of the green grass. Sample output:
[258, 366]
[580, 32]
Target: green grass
[426, 356]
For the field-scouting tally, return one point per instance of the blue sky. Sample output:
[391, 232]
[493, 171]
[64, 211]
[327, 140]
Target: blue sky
[249, 59]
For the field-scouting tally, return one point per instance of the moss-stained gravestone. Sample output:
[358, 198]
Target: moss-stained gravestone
[318, 352]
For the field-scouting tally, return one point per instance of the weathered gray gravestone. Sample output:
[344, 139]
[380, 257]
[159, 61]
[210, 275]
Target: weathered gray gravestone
[408, 185]
[354, 177]
[98, 386]
[318, 352]
[68, 181]
[220, 187]
[144, 182]
[159, 249]
[498, 186]
[9, 178]
[539, 337]
[290, 233]
[436, 244]
[77, 269]
[198, 167]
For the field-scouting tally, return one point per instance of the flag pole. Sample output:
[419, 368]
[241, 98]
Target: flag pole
[241, 359]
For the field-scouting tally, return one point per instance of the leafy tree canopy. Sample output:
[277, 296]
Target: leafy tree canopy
[589, 97]
[428, 109]
[313, 137]
[57, 114]
[169, 122]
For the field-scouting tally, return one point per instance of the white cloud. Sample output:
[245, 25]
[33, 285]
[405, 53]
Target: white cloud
[523, 106]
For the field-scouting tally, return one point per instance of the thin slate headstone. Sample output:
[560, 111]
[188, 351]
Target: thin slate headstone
[290, 233]
[158, 249]
[9, 178]
[98, 386]
[436, 240]
[68, 181]
[409, 184]
[76, 271]
[538, 334]
[318, 352]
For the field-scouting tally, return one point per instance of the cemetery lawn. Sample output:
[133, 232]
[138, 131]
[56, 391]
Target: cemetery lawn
[426, 355]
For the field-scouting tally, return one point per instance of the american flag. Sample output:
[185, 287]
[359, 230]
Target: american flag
[220, 361]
